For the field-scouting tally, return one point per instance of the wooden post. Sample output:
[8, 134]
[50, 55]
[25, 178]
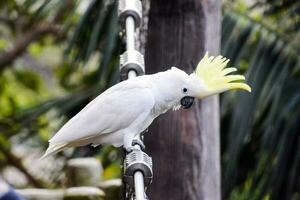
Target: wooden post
[184, 145]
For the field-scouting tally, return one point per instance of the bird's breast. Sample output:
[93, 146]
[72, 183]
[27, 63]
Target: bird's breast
[161, 108]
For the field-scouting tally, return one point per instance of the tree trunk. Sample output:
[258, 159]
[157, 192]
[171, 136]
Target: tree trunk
[184, 145]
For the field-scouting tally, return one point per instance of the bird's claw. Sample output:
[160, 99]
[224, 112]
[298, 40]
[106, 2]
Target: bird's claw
[129, 149]
[140, 143]
[132, 147]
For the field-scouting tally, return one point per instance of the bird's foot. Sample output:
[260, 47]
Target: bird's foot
[129, 149]
[140, 143]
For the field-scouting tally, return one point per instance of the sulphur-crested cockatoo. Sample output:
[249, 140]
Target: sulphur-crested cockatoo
[126, 109]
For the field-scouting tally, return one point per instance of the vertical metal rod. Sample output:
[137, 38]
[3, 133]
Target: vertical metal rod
[139, 185]
[130, 45]
[130, 40]
[131, 74]
[130, 33]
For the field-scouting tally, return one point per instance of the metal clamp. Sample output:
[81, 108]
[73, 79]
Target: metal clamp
[130, 8]
[131, 60]
[137, 160]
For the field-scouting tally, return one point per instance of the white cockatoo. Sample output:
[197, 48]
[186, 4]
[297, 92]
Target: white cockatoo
[126, 109]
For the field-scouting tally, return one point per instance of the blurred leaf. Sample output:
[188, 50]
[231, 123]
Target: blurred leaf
[260, 132]
[28, 79]
[112, 171]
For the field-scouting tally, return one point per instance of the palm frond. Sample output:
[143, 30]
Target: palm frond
[97, 31]
[260, 130]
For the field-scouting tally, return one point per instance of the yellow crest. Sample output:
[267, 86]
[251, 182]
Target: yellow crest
[211, 70]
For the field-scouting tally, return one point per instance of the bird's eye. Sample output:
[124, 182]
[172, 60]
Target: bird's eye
[184, 90]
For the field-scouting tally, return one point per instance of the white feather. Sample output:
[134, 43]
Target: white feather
[114, 110]
[121, 112]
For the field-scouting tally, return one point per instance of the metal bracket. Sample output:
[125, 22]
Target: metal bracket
[130, 8]
[131, 60]
[137, 160]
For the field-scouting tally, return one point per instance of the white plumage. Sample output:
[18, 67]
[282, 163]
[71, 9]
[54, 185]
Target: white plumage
[121, 112]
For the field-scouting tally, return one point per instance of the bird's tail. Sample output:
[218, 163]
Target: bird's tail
[54, 148]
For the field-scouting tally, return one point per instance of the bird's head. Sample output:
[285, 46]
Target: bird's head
[210, 77]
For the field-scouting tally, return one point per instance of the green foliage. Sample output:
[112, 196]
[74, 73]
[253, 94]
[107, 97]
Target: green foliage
[260, 131]
[111, 159]
[44, 87]
[97, 31]
[19, 88]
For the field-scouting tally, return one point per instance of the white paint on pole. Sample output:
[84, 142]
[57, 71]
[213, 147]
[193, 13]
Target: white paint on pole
[131, 74]
[130, 33]
[139, 185]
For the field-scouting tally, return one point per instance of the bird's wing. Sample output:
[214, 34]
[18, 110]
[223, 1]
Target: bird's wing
[113, 110]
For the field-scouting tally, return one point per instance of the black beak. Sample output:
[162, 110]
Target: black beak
[187, 102]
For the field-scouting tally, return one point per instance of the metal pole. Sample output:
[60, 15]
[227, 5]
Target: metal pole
[130, 45]
[130, 40]
[137, 164]
[139, 185]
[131, 74]
[130, 33]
